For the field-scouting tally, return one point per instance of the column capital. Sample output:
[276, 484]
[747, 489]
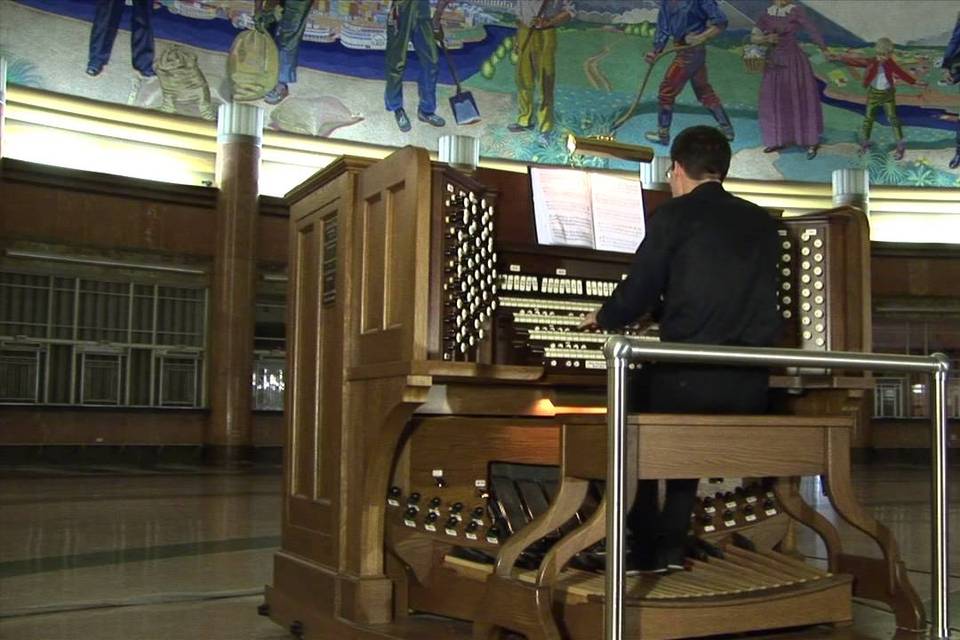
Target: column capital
[237, 121]
[851, 187]
[460, 152]
[3, 80]
[654, 173]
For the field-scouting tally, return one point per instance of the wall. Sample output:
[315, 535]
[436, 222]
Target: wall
[84, 223]
[339, 87]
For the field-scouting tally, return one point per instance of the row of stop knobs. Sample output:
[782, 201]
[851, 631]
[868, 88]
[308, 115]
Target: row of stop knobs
[456, 521]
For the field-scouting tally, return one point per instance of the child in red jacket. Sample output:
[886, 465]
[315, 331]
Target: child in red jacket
[880, 78]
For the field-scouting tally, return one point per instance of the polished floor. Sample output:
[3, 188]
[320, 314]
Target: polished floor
[111, 553]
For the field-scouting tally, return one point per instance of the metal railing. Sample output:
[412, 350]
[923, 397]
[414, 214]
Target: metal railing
[620, 351]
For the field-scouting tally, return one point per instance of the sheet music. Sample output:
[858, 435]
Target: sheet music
[617, 212]
[562, 207]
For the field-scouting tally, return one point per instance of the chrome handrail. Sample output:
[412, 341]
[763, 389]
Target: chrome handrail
[620, 351]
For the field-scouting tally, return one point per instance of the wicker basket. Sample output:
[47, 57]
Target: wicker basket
[754, 58]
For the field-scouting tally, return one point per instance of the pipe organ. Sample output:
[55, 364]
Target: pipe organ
[445, 427]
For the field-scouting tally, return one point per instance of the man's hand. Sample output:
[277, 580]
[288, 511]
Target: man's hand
[695, 39]
[651, 57]
[589, 321]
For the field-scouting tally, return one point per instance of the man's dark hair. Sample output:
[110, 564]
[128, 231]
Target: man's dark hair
[703, 151]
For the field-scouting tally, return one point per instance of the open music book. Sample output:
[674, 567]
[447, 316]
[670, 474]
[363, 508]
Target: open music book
[587, 209]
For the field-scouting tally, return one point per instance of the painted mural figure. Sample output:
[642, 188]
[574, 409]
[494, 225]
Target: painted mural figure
[789, 104]
[951, 66]
[880, 78]
[690, 23]
[411, 19]
[536, 46]
[289, 36]
[106, 22]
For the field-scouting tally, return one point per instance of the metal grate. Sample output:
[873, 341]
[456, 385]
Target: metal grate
[100, 342]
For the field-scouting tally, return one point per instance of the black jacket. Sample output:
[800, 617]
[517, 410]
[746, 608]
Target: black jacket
[707, 270]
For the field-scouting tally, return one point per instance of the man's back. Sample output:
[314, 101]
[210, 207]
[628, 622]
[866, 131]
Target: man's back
[722, 263]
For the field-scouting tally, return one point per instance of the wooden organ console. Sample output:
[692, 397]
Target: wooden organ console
[445, 419]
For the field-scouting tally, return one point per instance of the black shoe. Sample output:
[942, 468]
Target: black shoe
[402, 120]
[956, 160]
[431, 119]
[772, 149]
[278, 94]
[516, 127]
[812, 151]
[93, 71]
[671, 557]
[660, 136]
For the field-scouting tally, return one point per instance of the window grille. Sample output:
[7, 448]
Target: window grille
[100, 377]
[20, 369]
[180, 380]
[85, 341]
[888, 398]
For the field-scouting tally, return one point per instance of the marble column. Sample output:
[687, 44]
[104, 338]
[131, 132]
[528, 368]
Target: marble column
[239, 135]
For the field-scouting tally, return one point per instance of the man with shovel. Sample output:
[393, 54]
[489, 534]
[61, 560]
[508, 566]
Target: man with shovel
[411, 19]
[690, 23]
[536, 46]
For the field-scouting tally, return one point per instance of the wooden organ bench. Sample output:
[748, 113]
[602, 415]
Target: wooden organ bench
[766, 587]
[423, 443]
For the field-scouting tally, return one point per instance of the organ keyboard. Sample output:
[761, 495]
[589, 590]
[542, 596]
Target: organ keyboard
[427, 332]
[544, 296]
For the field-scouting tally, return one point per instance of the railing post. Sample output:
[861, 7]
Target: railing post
[940, 561]
[617, 351]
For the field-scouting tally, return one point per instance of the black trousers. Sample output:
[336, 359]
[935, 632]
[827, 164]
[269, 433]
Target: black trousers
[659, 535]
[106, 22]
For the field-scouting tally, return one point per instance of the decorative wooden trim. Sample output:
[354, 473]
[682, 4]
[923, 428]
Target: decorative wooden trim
[330, 172]
[19, 171]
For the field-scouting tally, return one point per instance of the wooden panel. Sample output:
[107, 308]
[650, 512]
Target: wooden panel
[392, 268]
[463, 447]
[317, 313]
[303, 398]
[702, 449]
[373, 283]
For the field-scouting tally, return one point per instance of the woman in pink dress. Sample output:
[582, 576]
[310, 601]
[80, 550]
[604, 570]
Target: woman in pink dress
[790, 111]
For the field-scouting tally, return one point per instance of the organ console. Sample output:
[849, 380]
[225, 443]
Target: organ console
[445, 427]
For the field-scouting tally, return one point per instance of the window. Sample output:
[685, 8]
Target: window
[888, 398]
[915, 326]
[268, 381]
[269, 357]
[86, 341]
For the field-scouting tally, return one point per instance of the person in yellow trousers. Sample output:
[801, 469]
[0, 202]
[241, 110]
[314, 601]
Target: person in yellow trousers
[536, 45]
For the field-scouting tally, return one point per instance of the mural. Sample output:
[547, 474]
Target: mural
[799, 87]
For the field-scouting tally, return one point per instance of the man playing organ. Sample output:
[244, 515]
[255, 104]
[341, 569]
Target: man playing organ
[706, 271]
